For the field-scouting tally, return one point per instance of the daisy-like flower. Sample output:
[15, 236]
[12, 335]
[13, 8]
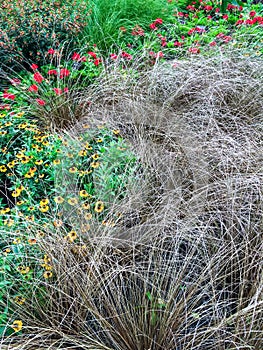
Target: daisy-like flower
[56, 161]
[85, 206]
[9, 222]
[32, 241]
[41, 176]
[20, 300]
[45, 143]
[58, 223]
[116, 132]
[44, 201]
[82, 153]
[4, 211]
[95, 164]
[47, 274]
[59, 199]
[99, 206]
[44, 208]
[20, 203]
[72, 235]
[88, 216]
[84, 193]
[16, 193]
[3, 168]
[73, 169]
[17, 325]
[95, 156]
[23, 269]
[31, 208]
[99, 140]
[73, 201]
[39, 161]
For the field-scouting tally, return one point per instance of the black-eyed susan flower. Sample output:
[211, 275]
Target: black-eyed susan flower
[95, 165]
[22, 126]
[6, 251]
[3, 132]
[16, 241]
[99, 140]
[69, 155]
[30, 218]
[86, 126]
[56, 161]
[20, 300]
[116, 132]
[59, 199]
[24, 159]
[47, 267]
[16, 193]
[11, 164]
[99, 206]
[84, 194]
[23, 269]
[41, 176]
[20, 203]
[47, 274]
[82, 153]
[40, 234]
[3, 168]
[46, 259]
[85, 206]
[32, 241]
[73, 201]
[5, 211]
[45, 143]
[95, 156]
[8, 123]
[31, 208]
[88, 216]
[44, 201]
[72, 235]
[17, 325]
[9, 222]
[73, 169]
[44, 208]
[39, 161]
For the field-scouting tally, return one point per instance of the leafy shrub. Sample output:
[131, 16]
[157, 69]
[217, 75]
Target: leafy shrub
[29, 28]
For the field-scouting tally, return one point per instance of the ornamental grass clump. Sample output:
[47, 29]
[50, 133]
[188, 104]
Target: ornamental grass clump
[182, 266]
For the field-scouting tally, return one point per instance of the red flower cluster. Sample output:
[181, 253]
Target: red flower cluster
[137, 31]
[126, 55]
[8, 95]
[157, 21]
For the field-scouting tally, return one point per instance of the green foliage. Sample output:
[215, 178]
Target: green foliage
[29, 28]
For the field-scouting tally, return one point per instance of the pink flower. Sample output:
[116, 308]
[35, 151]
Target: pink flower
[225, 17]
[34, 66]
[33, 88]
[83, 59]
[217, 10]
[178, 43]
[213, 43]
[159, 54]
[126, 55]
[38, 77]
[76, 56]
[252, 13]
[58, 91]
[64, 72]
[158, 21]
[66, 89]
[15, 81]
[209, 17]
[52, 72]
[8, 96]
[51, 51]
[40, 102]
[194, 50]
[113, 56]
[97, 61]
[180, 14]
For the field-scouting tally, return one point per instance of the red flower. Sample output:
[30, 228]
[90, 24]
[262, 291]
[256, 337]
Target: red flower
[126, 55]
[213, 43]
[52, 72]
[92, 54]
[208, 8]
[153, 26]
[33, 88]
[51, 51]
[76, 56]
[225, 17]
[40, 102]
[64, 72]
[194, 50]
[113, 56]
[158, 21]
[252, 13]
[38, 77]
[66, 89]
[178, 43]
[58, 91]
[8, 96]
[97, 61]
[34, 66]
[159, 54]
[180, 14]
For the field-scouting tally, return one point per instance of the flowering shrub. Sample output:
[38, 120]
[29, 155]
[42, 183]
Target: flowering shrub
[29, 28]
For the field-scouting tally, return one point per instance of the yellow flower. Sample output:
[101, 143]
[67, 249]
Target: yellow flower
[8, 123]
[16, 193]
[95, 156]
[31, 208]
[22, 126]
[17, 325]
[72, 235]
[72, 201]
[45, 143]
[99, 140]
[4, 211]
[73, 169]
[59, 199]
[20, 300]
[3, 132]
[16, 241]
[56, 161]
[41, 176]
[86, 206]
[84, 193]
[39, 161]
[82, 153]
[30, 218]
[6, 251]
[95, 164]
[44, 208]
[58, 223]
[25, 159]
[86, 126]
[20, 203]
[47, 274]
[116, 132]
[9, 222]
[99, 206]
[23, 269]
[88, 216]
[32, 241]
[44, 201]
[11, 164]
[20, 155]
[3, 169]
[69, 155]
